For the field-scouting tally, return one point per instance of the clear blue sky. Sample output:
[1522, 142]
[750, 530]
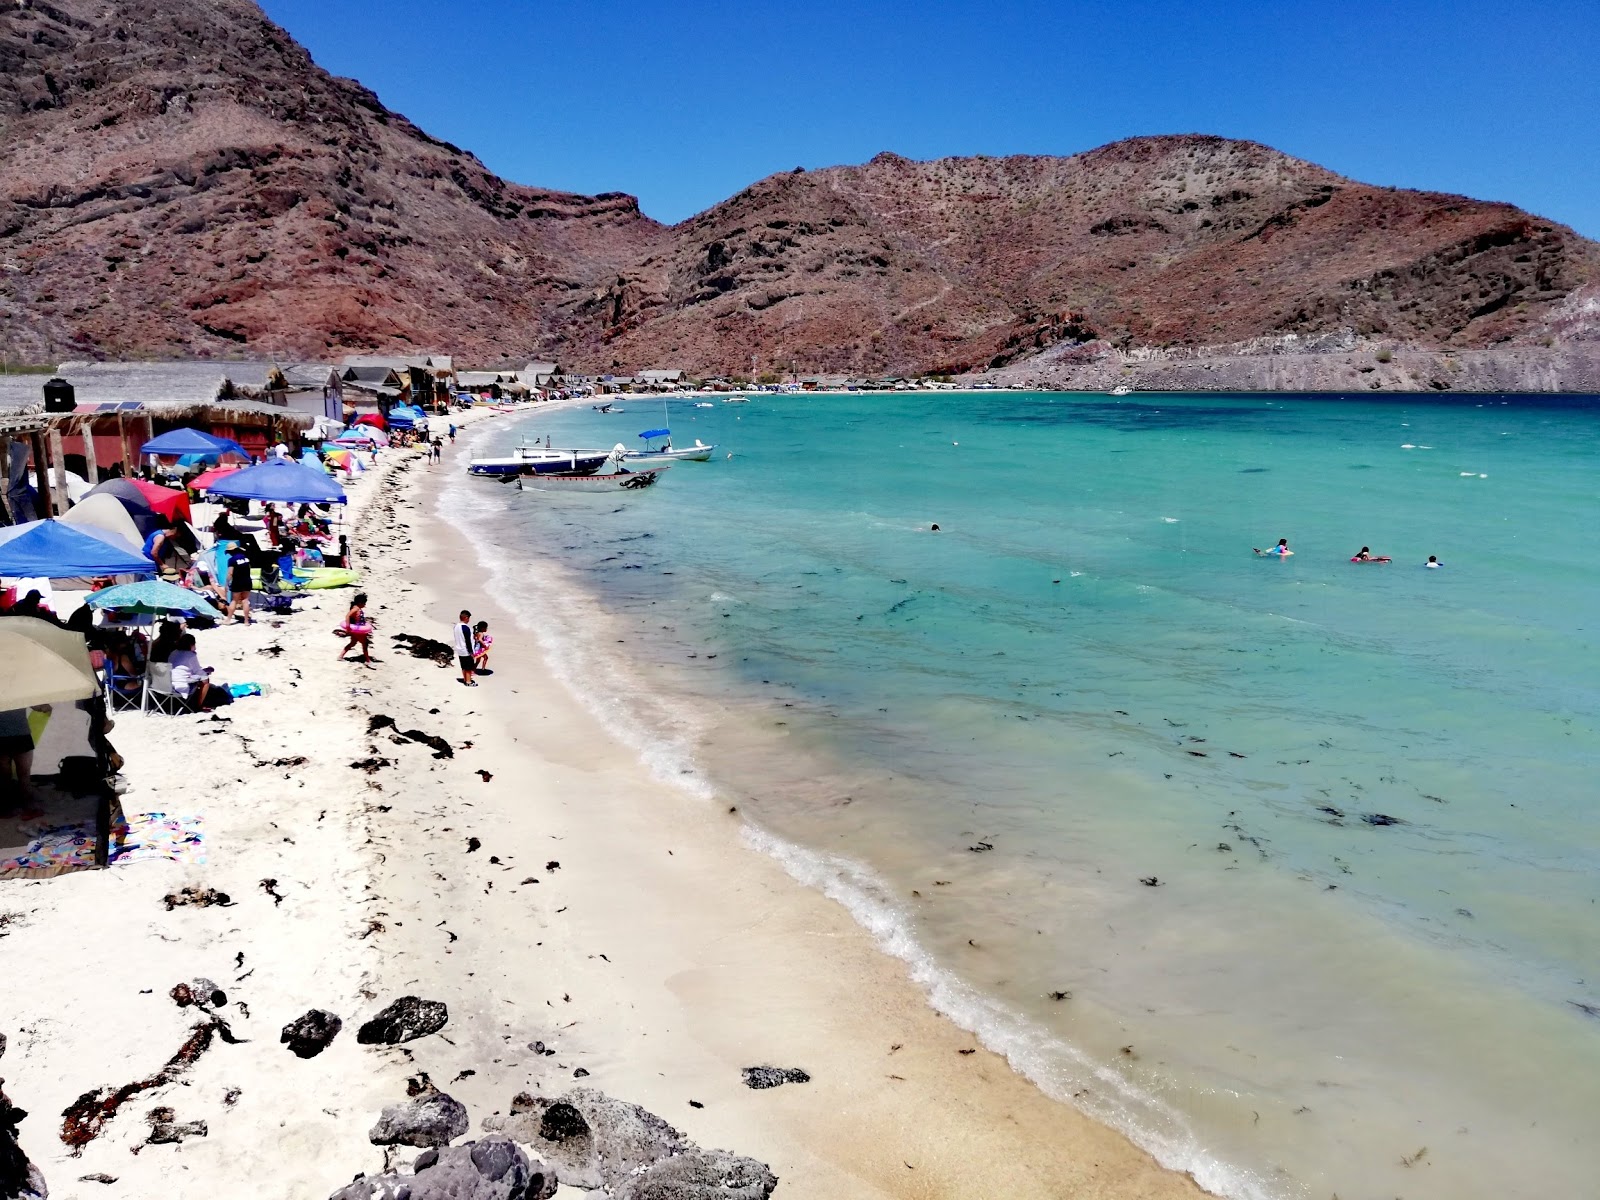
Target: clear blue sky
[682, 103]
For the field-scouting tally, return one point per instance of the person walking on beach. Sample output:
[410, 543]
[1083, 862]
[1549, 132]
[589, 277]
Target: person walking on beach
[239, 582]
[357, 629]
[481, 641]
[463, 648]
[452, 433]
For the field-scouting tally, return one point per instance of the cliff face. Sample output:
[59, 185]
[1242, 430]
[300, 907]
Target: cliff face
[1166, 241]
[177, 177]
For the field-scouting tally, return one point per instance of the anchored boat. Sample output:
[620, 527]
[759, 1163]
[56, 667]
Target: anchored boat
[539, 460]
[651, 455]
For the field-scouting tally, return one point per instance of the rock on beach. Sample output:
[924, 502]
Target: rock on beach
[431, 1120]
[493, 1168]
[407, 1019]
[309, 1035]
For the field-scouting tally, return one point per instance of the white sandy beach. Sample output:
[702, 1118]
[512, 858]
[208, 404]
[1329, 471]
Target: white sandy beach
[655, 951]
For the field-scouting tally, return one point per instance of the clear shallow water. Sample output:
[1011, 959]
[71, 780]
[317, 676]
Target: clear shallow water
[1088, 671]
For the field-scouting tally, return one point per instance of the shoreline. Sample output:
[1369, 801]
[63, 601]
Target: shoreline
[383, 897]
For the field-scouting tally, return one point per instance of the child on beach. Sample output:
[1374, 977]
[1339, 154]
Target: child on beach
[481, 641]
[357, 629]
[463, 647]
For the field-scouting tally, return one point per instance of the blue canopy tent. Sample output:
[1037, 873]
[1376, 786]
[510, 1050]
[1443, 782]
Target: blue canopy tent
[53, 550]
[178, 442]
[404, 416]
[280, 481]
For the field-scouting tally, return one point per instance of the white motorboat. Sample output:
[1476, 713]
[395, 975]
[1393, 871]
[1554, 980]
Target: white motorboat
[539, 460]
[1122, 389]
[736, 399]
[704, 404]
[650, 455]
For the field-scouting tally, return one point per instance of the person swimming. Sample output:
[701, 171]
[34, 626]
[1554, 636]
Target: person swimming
[1433, 561]
[1365, 555]
[1281, 550]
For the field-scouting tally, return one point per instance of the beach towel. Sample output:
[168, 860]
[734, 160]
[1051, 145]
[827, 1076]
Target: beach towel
[142, 837]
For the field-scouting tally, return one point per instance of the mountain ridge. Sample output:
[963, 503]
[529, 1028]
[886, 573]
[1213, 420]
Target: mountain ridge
[178, 177]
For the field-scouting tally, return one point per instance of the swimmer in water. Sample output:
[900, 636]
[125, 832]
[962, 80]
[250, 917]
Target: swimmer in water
[1433, 561]
[933, 529]
[1365, 555]
[1281, 550]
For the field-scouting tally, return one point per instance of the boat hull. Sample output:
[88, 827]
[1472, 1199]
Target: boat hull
[578, 462]
[620, 481]
[647, 458]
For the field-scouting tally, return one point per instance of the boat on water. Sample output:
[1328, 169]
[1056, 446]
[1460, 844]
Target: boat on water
[649, 455]
[704, 404]
[539, 460]
[736, 399]
[1122, 389]
[622, 480]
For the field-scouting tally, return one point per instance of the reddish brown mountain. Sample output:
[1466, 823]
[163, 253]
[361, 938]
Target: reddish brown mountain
[177, 177]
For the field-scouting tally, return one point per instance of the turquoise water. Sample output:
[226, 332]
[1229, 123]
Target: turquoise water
[1365, 793]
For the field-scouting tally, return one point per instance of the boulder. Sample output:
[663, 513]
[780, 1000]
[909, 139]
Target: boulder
[592, 1140]
[702, 1175]
[430, 1120]
[19, 1178]
[166, 1129]
[493, 1168]
[309, 1036]
[407, 1019]
[771, 1077]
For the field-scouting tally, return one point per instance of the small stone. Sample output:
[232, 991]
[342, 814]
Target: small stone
[310, 1035]
[407, 1019]
[166, 1129]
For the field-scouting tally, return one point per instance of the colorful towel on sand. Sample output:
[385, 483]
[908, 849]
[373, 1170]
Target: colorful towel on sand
[142, 838]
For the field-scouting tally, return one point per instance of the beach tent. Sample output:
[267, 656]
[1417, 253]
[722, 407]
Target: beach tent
[404, 416]
[309, 459]
[152, 596]
[77, 485]
[373, 419]
[178, 442]
[280, 481]
[203, 481]
[104, 517]
[150, 505]
[322, 427]
[53, 550]
[45, 664]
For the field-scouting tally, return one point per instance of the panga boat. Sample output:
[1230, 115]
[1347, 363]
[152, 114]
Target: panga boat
[736, 400]
[540, 460]
[624, 480]
[705, 404]
[1122, 389]
[651, 455]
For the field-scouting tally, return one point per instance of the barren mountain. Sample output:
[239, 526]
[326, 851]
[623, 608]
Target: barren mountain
[178, 177]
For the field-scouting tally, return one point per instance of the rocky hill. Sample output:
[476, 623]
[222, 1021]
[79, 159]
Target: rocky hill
[178, 177]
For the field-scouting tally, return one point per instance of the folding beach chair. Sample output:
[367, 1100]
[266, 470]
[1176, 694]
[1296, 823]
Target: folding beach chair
[158, 691]
[120, 697]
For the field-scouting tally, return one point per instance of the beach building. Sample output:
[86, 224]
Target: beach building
[315, 388]
[670, 380]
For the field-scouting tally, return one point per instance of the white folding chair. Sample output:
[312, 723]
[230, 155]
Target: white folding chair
[159, 692]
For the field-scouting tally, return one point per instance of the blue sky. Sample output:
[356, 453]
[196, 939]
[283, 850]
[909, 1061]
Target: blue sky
[683, 103]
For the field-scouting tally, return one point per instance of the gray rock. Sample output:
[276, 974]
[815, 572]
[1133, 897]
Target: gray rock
[405, 1020]
[592, 1140]
[207, 994]
[309, 1036]
[702, 1175]
[166, 1129]
[19, 1178]
[771, 1077]
[494, 1168]
[432, 1119]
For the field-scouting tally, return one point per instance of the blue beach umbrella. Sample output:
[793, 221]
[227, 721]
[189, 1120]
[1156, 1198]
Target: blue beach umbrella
[280, 481]
[52, 550]
[152, 596]
[192, 441]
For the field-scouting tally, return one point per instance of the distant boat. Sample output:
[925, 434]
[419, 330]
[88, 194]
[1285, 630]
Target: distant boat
[704, 404]
[699, 452]
[736, 400]
[539, 460]
[1122, 389]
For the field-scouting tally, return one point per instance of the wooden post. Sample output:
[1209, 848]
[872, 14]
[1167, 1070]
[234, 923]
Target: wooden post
[91, 466]
[41, 489]
[122, 443]
[58, 471]
[149, 430]
[5, 479]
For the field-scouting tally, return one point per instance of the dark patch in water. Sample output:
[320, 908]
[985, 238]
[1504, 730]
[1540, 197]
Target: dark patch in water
[1254, 470]
[1361, 466]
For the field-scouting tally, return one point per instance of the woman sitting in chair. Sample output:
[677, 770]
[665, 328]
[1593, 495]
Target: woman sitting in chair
[192, 681]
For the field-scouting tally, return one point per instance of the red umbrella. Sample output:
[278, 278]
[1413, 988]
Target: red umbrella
[205, 479]
[370, 419]
[169, 502]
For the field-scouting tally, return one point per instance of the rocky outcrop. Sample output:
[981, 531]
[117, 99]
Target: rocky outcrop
[494, 1168]
[596, 1142]
[178, 178]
